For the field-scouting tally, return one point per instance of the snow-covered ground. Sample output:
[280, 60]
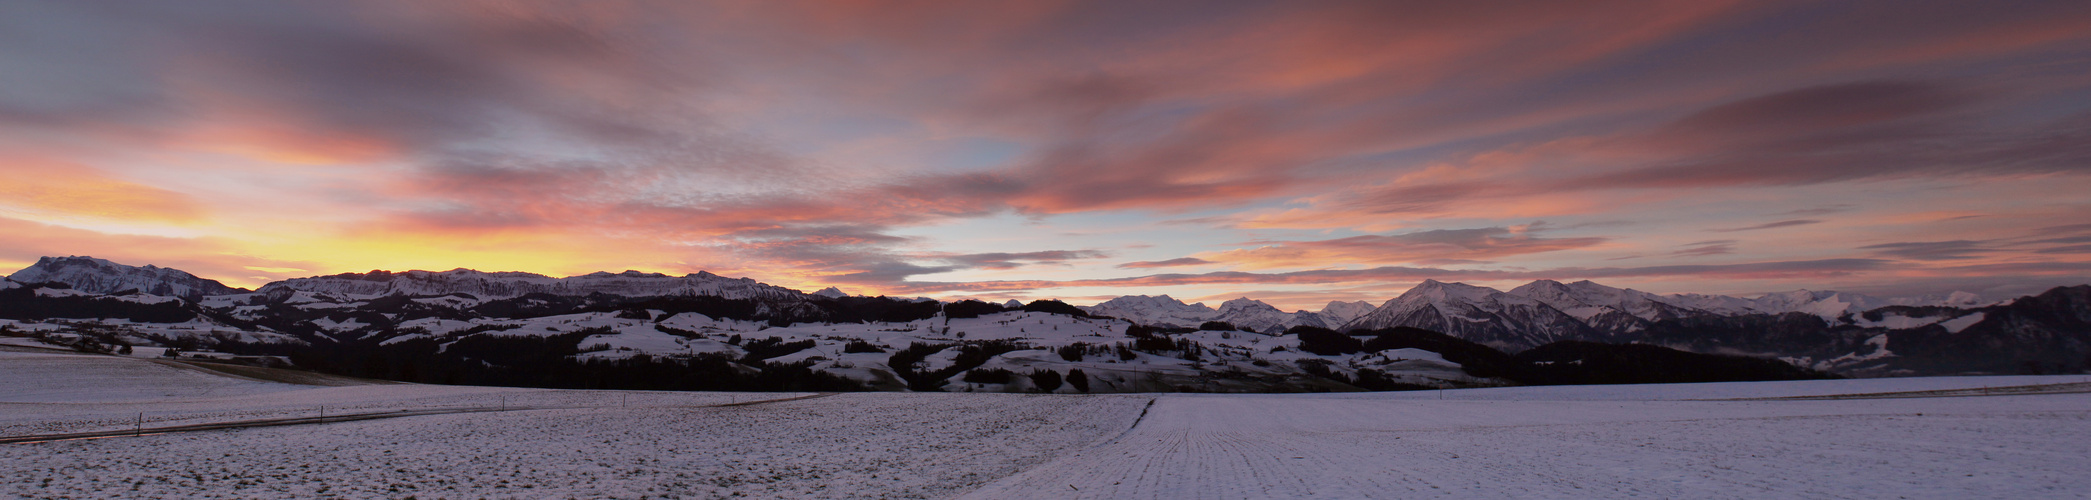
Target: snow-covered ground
[1551, 442]
[844, 446]
[1596, 442]
[33, 377]
[586, 444]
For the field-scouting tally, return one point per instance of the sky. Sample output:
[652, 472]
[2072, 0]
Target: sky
[1294, 152]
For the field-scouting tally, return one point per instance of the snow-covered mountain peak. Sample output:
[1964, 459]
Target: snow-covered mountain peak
[626, 274]
[501, 285]
[831, 292]
[1013, 304]
[1244, 304]
[1829, 305]
[1338, 312]
[1964, 300]
[92, 275]
[1604, 308]
[1476, 313]
[1158, 310]
[1434, 291]
[1538, 285]
[1147, 301]
[1579, 303]
[1256, 315]
[1789, 300]
[1717, 304]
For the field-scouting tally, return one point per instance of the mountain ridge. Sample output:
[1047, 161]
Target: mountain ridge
[502, 284]
[1475, 313]
[89, 274]
[2047, 332]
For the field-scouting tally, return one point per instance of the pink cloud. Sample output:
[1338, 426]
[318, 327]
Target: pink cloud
[1176, 262]
[1405, 248]
[611, 131]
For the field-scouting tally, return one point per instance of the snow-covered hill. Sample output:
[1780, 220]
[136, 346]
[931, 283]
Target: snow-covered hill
[92, 275]
[501, 285]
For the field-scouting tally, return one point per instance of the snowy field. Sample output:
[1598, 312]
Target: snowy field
[1663, 441]
[1398, 447]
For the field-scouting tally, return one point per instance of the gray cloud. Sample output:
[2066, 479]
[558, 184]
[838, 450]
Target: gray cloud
[1001, 260]
[1930, 250]
[1436, 245]
[1176, 262]
[1823, 210]
[1754, 270]
[1768, 225]
[1706, 248]
[2066, 250]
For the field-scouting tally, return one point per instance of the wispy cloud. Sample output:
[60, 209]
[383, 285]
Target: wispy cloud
[1412, 247]
[1823, 210]
[1400, 274]
[1768, 225]
[1930, 250]
[816, 143]
[1706, 248]
[1176, 262]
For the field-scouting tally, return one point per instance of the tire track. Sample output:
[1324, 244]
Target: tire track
[1129, 428]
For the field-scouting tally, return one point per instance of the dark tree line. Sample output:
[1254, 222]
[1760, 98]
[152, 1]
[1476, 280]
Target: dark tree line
[970, 355]
[1559, 363]
[24, 304]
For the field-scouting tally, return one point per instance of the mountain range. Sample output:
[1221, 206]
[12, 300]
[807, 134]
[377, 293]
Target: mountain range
[1824, 330]
[503, 285]
[92, 275]
[1535, 310]
[1527, 316]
